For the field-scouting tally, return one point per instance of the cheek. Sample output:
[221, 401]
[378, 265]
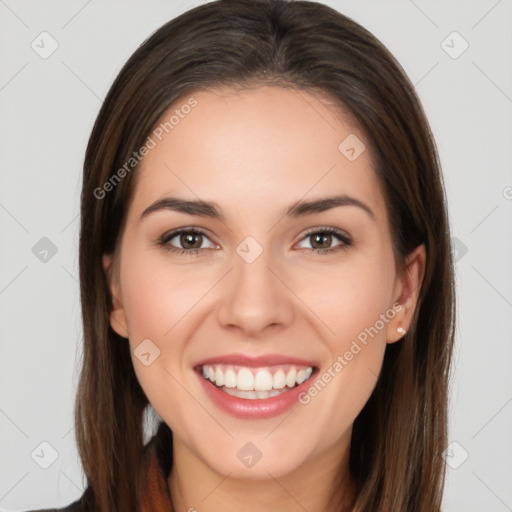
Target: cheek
[164, 303]
[348, 299]
[353, 302]
[156, 301]
[158, 295]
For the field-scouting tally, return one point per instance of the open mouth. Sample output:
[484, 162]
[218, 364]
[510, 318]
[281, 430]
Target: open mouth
[255, 383]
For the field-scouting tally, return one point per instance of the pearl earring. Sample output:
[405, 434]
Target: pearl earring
[401, 330]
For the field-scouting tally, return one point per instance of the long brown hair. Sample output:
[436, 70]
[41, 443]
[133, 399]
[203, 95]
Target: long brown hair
[398, 438]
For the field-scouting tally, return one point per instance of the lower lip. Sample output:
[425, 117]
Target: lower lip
[244, 408]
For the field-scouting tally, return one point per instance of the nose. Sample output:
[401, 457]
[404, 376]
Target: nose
[255, 298]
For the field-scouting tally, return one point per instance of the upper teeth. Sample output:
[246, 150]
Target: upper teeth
[256, 379]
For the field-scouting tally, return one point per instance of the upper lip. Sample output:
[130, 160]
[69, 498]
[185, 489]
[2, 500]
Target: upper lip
[255, 362]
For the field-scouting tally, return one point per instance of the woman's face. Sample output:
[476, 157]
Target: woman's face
[266, 283]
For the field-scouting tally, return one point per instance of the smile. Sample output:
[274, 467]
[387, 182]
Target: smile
[255, 387]
[256, 383]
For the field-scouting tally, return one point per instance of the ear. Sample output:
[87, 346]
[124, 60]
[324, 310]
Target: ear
[406, 292]
[117, 314]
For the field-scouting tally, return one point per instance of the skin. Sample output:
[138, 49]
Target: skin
[255, 153]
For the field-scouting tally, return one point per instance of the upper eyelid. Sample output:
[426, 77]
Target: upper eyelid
[178, 231]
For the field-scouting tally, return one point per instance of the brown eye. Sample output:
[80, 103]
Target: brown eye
[189, 241]
[322, 239]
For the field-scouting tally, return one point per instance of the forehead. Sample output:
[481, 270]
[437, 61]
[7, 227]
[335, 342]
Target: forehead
[262, 147]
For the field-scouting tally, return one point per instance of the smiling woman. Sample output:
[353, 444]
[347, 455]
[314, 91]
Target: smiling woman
[274, 277]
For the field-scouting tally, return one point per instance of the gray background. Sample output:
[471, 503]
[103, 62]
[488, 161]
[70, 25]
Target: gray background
[48, 106]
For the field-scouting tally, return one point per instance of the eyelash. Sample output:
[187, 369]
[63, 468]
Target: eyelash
[166, 238]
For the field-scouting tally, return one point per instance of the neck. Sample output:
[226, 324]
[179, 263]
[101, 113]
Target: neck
[314, 486]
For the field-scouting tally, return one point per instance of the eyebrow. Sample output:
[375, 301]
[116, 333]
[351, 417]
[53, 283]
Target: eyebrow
[213, 210]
